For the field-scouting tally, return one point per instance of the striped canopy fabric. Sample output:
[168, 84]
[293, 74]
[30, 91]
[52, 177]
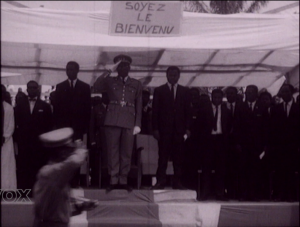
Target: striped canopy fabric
[212, 50]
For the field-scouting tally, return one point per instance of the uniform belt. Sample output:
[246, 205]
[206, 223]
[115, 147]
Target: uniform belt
[122, 103]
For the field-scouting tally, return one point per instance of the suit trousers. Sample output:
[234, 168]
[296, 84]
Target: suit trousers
[119, 152]
[286, 163]
[231, 181]
[214, 158]
[249, 170]
[170, 145]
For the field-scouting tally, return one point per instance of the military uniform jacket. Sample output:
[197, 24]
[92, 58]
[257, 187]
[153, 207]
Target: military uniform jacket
[125, 101]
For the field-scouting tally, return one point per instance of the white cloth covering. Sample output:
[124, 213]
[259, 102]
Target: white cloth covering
[8, 161]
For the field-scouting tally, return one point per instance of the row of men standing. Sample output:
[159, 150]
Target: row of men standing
[244, 142]
[171, 126]
[34, 117]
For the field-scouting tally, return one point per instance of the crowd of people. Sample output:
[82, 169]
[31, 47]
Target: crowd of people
[243, 141]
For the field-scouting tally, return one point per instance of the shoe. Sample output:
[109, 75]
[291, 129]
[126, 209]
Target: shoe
[126, 187]
[158, 186]
[111, 187]
[178, 186]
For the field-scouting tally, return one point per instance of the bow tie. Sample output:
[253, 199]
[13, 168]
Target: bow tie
[32, 99]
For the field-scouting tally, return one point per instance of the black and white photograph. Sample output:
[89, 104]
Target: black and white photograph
[150, 113]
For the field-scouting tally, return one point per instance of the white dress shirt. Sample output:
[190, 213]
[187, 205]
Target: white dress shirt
[253, 104]
[219, 127]
[288, 106]
[32, 103]
[74, 83]
[229, 106]
[175, 89]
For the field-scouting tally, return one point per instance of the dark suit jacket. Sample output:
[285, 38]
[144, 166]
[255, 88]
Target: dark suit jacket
[31, 155]
[72, 110]
[252, 126]
[167, 115]
[234, 124]
[284, 130]
[205, 121]
[30, 126]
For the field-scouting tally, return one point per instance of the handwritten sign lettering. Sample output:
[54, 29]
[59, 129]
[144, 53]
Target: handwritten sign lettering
[145, 18]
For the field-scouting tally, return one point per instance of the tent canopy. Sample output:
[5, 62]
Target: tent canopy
[212, 50]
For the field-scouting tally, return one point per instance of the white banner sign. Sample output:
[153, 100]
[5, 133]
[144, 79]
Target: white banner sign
[145, 18]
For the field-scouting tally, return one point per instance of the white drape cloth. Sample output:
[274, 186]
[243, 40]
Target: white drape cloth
[8, 162]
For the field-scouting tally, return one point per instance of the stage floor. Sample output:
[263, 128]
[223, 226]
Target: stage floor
[167, 208]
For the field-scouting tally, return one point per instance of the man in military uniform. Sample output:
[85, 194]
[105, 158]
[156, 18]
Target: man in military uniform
[52, 202]
[122, 121]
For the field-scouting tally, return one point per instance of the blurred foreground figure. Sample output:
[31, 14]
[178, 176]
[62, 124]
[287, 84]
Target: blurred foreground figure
[52, 206]
[8, 162]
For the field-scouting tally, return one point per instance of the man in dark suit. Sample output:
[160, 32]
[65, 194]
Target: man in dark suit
[233, 104]
[284, 143]
[213, 123]
[170, 119]
[251, 144]
[191, 156]
[32, 118]
[122, 121]
[72, 107]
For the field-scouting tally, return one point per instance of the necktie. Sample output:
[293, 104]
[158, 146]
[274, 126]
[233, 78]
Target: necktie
[285, 109]
[172, 91]
[231, 109]
[251, 106]
[72, 85]
[216, 118]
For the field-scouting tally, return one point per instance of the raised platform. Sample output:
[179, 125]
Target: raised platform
[172, 208]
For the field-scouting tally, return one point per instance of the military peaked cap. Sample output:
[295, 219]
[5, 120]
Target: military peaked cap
[57, 138]
[123, 58]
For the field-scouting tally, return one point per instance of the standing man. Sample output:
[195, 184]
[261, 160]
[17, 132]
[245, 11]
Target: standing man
[214, 121]
[72, 107]
[170, 119]
[122, 121]
[285, 144]
[233, 104]
[32, 118]
[252, 142]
